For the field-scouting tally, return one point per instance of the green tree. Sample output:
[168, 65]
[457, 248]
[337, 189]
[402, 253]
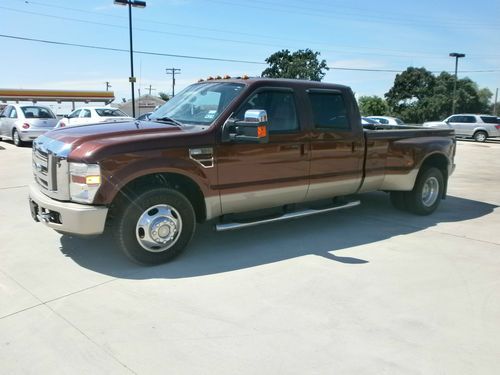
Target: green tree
[164, 96]
[417, 96]
[373, 106]
[302, 64]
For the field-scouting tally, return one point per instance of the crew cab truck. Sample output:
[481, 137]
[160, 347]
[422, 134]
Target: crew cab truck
[225, 147]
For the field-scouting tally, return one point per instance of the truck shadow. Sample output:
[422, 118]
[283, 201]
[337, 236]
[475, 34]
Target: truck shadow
[332, 235]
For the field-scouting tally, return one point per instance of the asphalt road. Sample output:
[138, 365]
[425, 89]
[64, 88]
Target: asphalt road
[365, 291]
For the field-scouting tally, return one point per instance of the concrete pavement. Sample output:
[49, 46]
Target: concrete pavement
[369, 290]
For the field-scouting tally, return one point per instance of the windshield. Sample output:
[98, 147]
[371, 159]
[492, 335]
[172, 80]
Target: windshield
[37, 112]
[110, 112]
[199, 104]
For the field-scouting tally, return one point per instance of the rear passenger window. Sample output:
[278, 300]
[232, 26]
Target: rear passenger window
[329, 111]
[469, 119]
[489, 119]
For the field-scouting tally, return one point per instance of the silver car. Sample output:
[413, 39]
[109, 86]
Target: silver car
[479, 127]
[24, 123]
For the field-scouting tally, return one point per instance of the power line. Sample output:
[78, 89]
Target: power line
[206, 58]
[348, 49]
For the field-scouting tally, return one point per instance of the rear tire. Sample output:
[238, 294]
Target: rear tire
[17, 139]
[427, 192]
[155, 226]
[480, 136]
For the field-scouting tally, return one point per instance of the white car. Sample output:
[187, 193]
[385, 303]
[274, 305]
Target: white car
[93, 115]
[386, 120]
[479, 127]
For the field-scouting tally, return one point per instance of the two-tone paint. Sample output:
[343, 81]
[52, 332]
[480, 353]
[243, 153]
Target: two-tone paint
[295, 167]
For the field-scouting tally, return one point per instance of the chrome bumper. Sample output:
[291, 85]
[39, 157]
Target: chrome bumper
[67, 217]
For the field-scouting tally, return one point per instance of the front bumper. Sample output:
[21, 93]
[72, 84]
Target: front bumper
[67, 217]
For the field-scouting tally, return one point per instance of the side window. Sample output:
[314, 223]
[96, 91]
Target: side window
[455, 119]
[280, 108]
[489, 119]
[85, 113]
[6, 111]
[75, 113]
[329, 111]
[469, 119]
[13, 113]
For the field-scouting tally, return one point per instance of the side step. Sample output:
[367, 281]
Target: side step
[288, 216]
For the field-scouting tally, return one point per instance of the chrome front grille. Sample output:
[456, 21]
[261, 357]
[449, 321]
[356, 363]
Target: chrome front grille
[50, 167]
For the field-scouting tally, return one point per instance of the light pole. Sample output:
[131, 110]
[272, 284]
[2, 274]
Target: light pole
[456, 55]
[135, 4]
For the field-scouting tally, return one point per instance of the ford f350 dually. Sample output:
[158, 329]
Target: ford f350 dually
[226, 147]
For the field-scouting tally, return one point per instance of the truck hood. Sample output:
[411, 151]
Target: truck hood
[91, 141]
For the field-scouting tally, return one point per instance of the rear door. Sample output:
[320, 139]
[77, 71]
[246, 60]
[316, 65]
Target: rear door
[337, 144]
[254, 176]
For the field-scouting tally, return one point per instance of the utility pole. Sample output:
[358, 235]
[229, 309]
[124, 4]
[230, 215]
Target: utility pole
[495, 103]
[150, 89]
[172, 72]
[456, 55]
[108, 86]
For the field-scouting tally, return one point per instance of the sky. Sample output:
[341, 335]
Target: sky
[384, 35]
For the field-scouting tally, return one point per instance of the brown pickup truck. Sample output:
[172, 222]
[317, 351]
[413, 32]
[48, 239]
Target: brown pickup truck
[230, 149]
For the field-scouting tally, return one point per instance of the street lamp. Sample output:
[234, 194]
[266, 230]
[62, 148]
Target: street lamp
[456, 55]
[135, 4]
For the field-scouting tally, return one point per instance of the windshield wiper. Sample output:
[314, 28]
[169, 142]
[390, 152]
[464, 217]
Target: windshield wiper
[168, 120]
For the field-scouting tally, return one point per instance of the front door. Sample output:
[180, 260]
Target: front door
[254, 176]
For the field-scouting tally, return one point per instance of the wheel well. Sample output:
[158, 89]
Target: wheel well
[481, 130]
[440, 162]
[181, 183]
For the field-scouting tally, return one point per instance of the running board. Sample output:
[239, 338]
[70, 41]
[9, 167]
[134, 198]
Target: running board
[288, 216]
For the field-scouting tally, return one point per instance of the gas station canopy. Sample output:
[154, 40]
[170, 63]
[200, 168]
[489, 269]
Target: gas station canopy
[58, 96]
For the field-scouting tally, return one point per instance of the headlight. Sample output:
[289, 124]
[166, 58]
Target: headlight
[84, 181]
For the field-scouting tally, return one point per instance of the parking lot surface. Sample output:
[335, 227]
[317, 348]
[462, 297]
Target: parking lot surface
[370, 290]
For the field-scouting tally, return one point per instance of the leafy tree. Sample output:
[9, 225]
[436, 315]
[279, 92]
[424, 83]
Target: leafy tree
[302, 64]
[164, 96]
[373, 106]
[417, 96]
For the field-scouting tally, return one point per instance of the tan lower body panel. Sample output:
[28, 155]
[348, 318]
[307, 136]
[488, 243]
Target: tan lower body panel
[261, 199]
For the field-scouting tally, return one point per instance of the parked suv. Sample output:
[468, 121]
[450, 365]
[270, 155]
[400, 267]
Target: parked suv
[22, 123]
[479, 127]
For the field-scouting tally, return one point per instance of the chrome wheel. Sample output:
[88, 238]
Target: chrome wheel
[480, 137]
[15, 138]
[158, 228]
[430, 191]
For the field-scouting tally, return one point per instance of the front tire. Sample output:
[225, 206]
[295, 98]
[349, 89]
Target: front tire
[480, 136]
[155, 226]
[16, 138]
[427, 192]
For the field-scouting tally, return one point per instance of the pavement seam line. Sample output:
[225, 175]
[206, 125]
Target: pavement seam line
[13, 187]
[389, 221]
[45, 304]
